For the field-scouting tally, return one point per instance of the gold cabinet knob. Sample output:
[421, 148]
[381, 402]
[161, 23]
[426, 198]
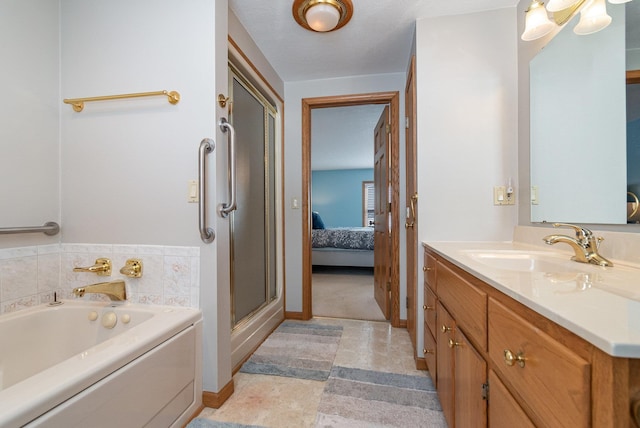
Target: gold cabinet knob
[510, 358]
[453, 343]
[445, 329]
[428, 351]
[424, 307]
[426, 269]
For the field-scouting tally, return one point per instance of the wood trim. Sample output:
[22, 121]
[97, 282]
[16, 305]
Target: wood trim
[393, 99]
[633, 77]
[421, 364]
[255, 69]
[216, 399]
[293, 316]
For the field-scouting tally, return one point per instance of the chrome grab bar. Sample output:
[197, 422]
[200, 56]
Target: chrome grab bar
[225, 209]
[50, 228]
[206, 233]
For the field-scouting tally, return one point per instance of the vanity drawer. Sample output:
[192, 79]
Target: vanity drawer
[430, 300]
[466, 302]
[429, 268]
[430, 355]
[551, 379]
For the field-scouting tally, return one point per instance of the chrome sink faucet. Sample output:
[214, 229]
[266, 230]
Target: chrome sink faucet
[585, 245]
[115, 290]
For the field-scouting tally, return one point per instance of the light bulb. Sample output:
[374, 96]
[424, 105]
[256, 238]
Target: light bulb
[322, 17]
[537, 23]
[593, 18]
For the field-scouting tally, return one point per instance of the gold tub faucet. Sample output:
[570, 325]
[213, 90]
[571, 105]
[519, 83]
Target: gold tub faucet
[116, 290]
[585, 245]
[102, 267]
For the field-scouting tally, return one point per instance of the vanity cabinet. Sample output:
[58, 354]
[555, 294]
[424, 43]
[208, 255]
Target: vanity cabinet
[430, 317]
[499, 363]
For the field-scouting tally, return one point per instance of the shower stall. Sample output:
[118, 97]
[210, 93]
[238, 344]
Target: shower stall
[256, 224]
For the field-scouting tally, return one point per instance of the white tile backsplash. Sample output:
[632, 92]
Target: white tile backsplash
[31, 275]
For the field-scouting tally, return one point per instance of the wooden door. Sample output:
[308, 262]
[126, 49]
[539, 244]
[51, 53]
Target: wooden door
[445, 365]
[469, 378]
[411, 226]
[381, 234]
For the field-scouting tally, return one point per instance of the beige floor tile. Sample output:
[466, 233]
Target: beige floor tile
[273, 401]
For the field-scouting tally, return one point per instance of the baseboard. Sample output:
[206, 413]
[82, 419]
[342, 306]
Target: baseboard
[216, 399]
[421, 364]
[294, 316]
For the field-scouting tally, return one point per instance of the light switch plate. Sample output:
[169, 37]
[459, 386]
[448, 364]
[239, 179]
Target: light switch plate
[499, 195]
[192, 191]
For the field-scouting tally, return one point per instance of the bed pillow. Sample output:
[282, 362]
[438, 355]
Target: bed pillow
[316, 221]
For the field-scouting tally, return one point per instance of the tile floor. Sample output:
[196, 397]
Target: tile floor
[279, 402]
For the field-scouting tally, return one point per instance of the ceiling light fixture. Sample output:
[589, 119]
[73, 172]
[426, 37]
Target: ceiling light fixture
[593, 16]
[322, 15]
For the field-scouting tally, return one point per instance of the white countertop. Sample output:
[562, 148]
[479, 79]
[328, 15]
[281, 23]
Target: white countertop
[601, 305]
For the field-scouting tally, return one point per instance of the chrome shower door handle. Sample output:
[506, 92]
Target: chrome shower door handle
[206, 233]
[226, 208]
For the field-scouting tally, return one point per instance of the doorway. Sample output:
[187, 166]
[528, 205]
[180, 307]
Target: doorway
[342, 201]
[308, 104]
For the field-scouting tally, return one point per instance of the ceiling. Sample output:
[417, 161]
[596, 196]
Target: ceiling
[377, 39]
[342, 137]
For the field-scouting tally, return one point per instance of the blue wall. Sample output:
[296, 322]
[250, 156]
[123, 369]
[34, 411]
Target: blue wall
[337, 195]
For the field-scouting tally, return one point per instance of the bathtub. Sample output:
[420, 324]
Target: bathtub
[89, 364]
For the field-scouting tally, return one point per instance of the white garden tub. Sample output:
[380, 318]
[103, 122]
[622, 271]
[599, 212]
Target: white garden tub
[86, 364]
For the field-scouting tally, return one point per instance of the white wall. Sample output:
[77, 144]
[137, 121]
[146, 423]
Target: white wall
[294, 93]
[29, 128]
[126, 163]
[467, 124]
[467, 105]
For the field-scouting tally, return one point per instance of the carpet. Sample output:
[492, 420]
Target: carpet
[363, 398]
[344, 293]
[296, 349]
[208, 423]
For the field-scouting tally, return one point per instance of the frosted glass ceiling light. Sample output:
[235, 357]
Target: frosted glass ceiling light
[558, 5]
[322, 15]
[619, 1]
[593, 18]
[537, 23]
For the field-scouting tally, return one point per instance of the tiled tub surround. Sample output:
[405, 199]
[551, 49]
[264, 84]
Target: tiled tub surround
[30, 275]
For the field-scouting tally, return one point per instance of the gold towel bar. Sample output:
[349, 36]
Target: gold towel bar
[78, 103]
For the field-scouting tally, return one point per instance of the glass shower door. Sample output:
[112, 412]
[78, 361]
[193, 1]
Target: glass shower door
[253, 273]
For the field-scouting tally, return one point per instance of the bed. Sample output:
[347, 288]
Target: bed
[341, 246]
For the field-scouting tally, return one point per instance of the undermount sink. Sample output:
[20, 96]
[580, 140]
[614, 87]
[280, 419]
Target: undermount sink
[523, 261]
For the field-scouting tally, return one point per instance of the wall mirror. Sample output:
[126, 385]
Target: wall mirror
[579, 125]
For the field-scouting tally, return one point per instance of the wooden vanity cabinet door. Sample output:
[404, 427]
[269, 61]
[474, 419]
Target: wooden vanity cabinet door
[504, 411]
[430, 355]
[469, 378]
[554, 382]
[430, 315]
[445, 365]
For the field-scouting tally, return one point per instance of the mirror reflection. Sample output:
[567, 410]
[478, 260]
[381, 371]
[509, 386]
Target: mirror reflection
[579, 127]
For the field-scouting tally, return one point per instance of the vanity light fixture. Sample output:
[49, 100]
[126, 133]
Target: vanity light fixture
[593, 16]
[322, 15]
[537, 23]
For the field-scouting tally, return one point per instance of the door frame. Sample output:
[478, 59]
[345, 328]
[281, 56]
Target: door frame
[393, 99]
